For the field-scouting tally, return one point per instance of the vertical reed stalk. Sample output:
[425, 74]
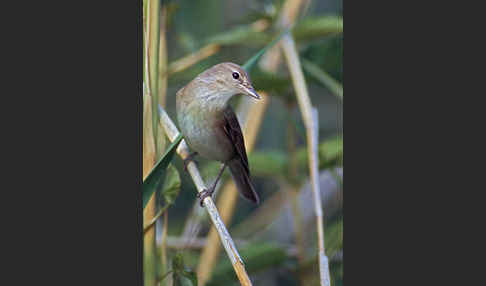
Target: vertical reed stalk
[293, 192]
[149, 211]
[162, 91]
[153, 37]
[311, 121]
[162, 85]
[164, 247]
[150, 130]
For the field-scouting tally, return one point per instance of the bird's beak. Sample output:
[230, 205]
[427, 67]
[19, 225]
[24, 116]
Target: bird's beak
[251, 92]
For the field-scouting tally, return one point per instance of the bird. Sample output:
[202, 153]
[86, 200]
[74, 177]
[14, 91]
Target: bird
[210, 126]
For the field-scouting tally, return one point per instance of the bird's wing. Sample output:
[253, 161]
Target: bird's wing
[233, 131]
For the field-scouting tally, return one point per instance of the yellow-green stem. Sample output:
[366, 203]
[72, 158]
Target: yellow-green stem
[164, 245]
[149, 225]
[148, 212]
[162, 78]
[153, 32]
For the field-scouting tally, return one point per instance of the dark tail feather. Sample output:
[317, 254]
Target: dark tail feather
[242, 181]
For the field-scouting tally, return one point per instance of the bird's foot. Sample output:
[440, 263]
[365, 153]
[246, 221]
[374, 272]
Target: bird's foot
[205, 193]
[189, 159]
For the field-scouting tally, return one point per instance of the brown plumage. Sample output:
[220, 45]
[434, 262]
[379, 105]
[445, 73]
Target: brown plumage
[239, 163]
[210, 126]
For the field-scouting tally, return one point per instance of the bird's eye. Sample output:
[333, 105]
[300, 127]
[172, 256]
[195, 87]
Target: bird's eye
[236, 75]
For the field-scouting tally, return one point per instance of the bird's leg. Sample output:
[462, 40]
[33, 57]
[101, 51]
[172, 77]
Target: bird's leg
[188, 159]
[202, 195]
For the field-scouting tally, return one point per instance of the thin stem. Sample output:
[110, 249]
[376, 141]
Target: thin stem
[311, 122]
[192, 59]
[149, 140]
[162, 66]
[164, 242]
[148, 162]
[211, 250]
[146, 30]
[324, 78]
[153, 33]
[293, 192]
[154, 219]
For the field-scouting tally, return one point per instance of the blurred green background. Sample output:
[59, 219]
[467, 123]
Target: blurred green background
[277, 239]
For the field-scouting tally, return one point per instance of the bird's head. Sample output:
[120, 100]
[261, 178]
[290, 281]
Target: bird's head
[228, 79]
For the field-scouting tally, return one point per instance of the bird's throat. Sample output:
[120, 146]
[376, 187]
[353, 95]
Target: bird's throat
[214, 102]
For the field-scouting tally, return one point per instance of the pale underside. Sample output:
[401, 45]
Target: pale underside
[202, 128]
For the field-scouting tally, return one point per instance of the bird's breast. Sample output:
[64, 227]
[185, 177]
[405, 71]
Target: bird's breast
[203, 131]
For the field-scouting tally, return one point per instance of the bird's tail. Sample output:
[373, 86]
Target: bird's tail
[242, 180]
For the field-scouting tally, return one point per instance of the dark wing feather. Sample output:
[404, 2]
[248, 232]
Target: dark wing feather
[232, 129]
[239, 163]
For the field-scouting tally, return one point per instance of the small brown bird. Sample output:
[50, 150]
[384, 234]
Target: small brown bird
[210, 127]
